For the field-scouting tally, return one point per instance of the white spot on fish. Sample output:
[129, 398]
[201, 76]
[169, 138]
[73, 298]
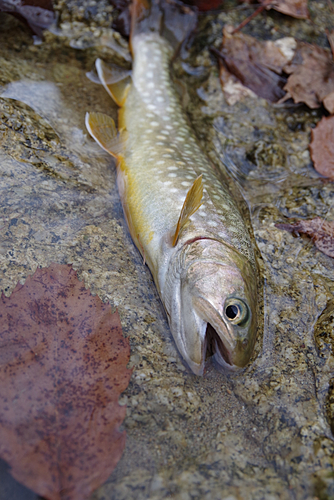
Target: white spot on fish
[212, 223]
[185, 183]
[172, 168]
[154, 124]
[171, 175]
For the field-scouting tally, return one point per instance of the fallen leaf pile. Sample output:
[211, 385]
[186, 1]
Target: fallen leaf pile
[293, 8]
[62, 368]
[311, 79]
[321, 231]
[281, 70]
[255, 64]
[38, 14]
[278, 70]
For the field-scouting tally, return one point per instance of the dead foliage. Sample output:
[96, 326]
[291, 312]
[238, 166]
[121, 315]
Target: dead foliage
[62, 368]
[320, 230]
[276, 70]
[38, 14]
[311, 79]
[322, 147]
[256, 64]
[293, 8]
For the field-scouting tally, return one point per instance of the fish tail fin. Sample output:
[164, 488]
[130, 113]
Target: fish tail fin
[192, 203]
[171, 19]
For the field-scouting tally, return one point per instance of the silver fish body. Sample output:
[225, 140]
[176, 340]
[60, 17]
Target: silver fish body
[207, 280]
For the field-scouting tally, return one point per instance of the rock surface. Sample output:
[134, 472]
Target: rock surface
[262, 434]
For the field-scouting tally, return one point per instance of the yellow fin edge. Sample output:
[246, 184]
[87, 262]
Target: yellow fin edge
[192, 203]
[115, 84]
[103, 129]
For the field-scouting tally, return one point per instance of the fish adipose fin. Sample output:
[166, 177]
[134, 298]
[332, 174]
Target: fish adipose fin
[116, 81]
[192, 203]
[102, 128]
[169, 18]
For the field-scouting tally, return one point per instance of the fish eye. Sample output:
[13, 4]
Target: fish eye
[236, 311]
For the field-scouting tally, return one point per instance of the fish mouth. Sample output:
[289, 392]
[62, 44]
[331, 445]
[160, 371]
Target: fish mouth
[215, 347]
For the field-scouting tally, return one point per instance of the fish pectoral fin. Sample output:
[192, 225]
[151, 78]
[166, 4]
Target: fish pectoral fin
[192, 203]
[102, 128]
[116, 81]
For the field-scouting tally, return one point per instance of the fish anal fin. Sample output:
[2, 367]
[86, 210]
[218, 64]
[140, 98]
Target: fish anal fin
[102, 128]
[116, 81]
[192, 203]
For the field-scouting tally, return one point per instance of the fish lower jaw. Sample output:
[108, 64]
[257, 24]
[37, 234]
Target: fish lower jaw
[210, 346]
[197, 369]
[227, 367]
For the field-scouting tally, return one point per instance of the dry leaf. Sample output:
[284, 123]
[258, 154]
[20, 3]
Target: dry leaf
[62, 368]
[256, 64]
[321, 231]
[37, 13]
[205, 5]
[293, 8]
[311, 77]
[322, 147]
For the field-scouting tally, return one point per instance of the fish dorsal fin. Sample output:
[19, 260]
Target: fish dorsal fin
[102, 128]
[116, 81]
[192, 203]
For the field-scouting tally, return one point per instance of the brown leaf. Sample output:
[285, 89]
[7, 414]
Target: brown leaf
[205, 5]
[311, 77]
[38, 14]
[321, 231]
[62, 368]
[293, 8]
[322, 147]
[255, 63]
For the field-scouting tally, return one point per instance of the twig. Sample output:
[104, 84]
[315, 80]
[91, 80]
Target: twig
[249, 18]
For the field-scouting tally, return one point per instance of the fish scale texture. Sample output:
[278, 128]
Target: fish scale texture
[163, 159]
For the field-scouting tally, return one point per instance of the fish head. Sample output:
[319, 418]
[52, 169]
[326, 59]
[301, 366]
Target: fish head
[214, 309]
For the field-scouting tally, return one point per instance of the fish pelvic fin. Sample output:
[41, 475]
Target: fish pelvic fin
[192, 203]
[102, 128]
[116, 81]
[169, 18]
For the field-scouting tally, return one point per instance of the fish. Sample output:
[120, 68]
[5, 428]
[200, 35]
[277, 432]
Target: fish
[181, 216]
